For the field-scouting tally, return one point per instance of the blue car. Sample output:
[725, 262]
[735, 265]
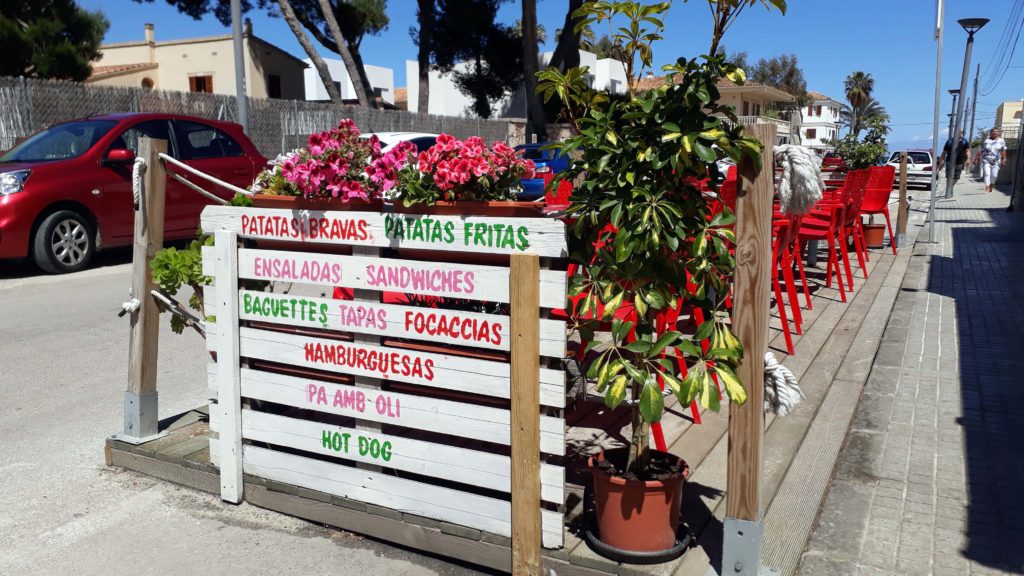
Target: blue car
[547, 161]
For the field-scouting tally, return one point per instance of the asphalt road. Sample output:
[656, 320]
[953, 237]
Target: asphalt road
[63, 370]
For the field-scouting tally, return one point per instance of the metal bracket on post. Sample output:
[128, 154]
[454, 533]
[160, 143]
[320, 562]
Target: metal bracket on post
[741, 549]
[140, 419]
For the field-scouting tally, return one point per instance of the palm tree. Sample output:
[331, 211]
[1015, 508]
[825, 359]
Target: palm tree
[856, 117]
[859, 87]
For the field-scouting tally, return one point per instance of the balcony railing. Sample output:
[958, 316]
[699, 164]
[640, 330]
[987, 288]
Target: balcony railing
[781, 125]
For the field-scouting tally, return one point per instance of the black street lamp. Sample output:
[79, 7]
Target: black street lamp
[970, 25]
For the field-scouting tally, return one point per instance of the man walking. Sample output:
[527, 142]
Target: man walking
[963, 156]
[993, 155]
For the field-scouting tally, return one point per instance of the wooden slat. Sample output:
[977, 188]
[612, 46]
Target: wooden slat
[229, 386]
[436, 370]
[468, 281]
[482, 469]
[408, 410]
[750, 322]
[476, 234]
[526, 472]
[436, 325]
[445, 504]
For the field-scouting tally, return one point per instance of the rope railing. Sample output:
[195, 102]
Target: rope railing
[204, 175]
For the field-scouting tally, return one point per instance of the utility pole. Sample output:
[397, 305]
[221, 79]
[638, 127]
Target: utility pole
[935, 116]
[974, 103]
[971, 26]
[236, 32]
[1016, 194]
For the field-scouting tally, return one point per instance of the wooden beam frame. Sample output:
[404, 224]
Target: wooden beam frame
[742, 537]
[141, 419]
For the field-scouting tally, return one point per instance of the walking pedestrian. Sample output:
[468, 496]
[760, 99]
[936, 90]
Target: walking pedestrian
[963, 156]
[992, 157]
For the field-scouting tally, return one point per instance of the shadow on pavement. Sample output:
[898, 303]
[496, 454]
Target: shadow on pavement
[985, 278]
[26, 268]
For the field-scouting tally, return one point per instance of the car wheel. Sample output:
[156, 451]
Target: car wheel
[63, 243]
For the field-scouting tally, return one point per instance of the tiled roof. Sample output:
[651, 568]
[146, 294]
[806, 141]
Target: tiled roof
[99, 70]
[652, 82]
[819, 96]
[402, 98]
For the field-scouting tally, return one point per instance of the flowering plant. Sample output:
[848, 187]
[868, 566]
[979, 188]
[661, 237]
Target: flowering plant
[338, 164]
[463, 170]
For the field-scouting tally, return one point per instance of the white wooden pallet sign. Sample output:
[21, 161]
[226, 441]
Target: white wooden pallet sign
[449, 417]
[411, 496]
[430, 456]
[435, 325]
[444, 279]
[541, 236]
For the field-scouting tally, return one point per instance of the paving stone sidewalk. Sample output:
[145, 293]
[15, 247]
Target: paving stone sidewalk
[930, 479]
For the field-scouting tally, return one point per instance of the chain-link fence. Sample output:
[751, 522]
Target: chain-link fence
[27, 105]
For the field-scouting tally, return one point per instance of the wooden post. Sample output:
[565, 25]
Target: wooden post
[141, 420]
[229, 377]
[524, 304]
[742, 535]
[901, 218]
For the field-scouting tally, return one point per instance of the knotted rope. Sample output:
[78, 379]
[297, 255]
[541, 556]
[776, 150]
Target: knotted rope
[781, 392]
[138, 173]
[801, 185]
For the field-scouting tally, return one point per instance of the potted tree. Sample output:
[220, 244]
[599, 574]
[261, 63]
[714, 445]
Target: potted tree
[648, 238]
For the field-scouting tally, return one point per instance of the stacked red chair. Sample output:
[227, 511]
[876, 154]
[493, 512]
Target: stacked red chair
[876, 197]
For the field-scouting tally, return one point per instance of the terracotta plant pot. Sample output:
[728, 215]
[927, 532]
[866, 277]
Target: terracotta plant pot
[633, 515]
[874, 235]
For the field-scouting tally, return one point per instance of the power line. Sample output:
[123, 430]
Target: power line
[996, 61]
[1018, 22]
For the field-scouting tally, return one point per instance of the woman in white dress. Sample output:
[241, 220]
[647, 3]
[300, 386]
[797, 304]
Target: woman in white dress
[993, 155]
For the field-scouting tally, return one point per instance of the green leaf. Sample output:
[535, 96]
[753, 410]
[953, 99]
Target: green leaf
[733, 387]
[704, 330]
[616, 392]
[689, 348]
[652, 405]
[638, 346]
[708, 393]
[664, 340]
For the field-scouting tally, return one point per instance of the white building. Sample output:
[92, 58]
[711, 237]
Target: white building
[447, 100]
[382, 80]
[820, 121]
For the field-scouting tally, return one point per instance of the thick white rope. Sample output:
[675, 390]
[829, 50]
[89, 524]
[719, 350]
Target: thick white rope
[138, 173]
[204, 175]
[197, 189]
[781, 391]
[801, 184]
[130, 307]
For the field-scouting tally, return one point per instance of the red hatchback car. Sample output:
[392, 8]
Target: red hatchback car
[66, 192]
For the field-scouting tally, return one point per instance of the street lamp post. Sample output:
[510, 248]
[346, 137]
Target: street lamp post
[955, 93]
[970, 25]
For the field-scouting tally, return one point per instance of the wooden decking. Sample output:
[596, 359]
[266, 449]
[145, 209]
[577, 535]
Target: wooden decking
[832, 362]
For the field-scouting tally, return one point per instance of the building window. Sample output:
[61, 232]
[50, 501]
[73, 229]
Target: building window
[273, 86]
[812, 133]
[200, 84]
[746, 108]
[817, 110]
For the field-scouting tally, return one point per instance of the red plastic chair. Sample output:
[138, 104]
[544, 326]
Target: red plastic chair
[825, 222]
[876, 197]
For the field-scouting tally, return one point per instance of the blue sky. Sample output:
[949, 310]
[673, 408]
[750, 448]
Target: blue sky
[891, 39]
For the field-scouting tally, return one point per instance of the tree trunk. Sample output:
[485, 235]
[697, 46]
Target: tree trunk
[533, 104]
[356, 73]
[321, 67]
[640, 444]
[357, 58]
[567, 51]
[426, 32]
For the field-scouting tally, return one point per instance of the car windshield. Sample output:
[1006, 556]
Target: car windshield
[63, 141]
[920, 158]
